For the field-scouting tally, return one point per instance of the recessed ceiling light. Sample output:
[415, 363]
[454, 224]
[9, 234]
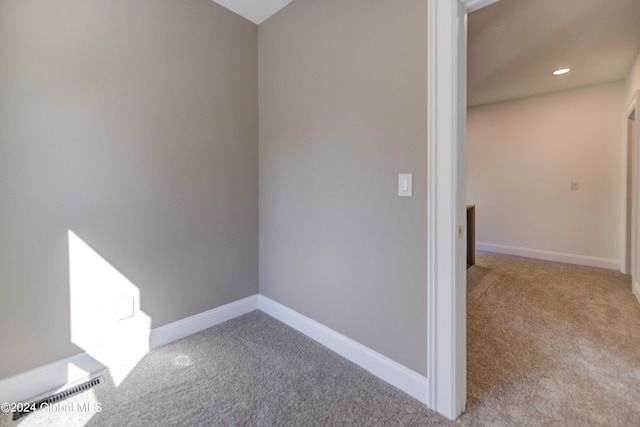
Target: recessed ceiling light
[561, 71]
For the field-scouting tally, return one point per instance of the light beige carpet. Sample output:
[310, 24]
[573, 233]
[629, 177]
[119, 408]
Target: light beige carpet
[548, 345]
[551, 344]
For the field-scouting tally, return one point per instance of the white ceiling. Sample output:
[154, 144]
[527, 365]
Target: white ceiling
[515, 45]
[255, 11]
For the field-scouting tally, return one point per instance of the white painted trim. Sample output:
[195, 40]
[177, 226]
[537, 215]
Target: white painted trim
[636, 290]
[633, 108]
[611, 264]
[381, 366]
[53, 375]
[188, 326]
[446, 273]
[47, 377]
[473, 5]
[624, 268]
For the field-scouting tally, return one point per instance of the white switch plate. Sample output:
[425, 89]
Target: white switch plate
[405, 184]
[574, 185]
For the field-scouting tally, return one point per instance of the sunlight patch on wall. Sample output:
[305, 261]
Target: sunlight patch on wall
[106, 320]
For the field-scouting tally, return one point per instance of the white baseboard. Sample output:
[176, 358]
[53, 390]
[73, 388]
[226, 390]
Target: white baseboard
[25, 385]
[611, 264]
[190, 325]
[51, 376]
[381, 366]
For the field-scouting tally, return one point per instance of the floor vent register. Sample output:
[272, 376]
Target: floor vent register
[58, 397]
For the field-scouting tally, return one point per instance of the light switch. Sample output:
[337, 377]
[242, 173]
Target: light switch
[405, 184]
[574, 185]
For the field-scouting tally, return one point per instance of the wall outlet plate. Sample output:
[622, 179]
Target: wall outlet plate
[124, 307]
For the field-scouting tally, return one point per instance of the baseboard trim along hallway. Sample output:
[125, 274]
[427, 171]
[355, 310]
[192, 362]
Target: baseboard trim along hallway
[610, 264]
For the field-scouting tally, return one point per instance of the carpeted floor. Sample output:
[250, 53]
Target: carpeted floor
[548, 344]
[551, 344]
[250, 371]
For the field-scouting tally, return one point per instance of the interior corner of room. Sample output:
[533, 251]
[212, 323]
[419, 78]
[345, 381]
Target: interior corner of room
[168, 165]
[132, 197]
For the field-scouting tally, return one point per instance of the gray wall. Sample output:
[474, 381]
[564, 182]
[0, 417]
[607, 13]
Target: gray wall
[343, 110]
[134, 124]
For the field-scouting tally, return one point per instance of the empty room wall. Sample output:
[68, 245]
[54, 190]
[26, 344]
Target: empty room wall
[342, 112]
[134, 125]
[522, 155]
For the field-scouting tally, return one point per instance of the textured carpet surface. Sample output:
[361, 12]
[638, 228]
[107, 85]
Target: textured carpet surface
[250, 371]
[548, 344]
[551, 344]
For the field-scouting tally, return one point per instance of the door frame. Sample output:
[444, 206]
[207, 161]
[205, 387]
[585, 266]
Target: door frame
[631, 113]
[446, 194]
[446, 333]
[446, 174]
